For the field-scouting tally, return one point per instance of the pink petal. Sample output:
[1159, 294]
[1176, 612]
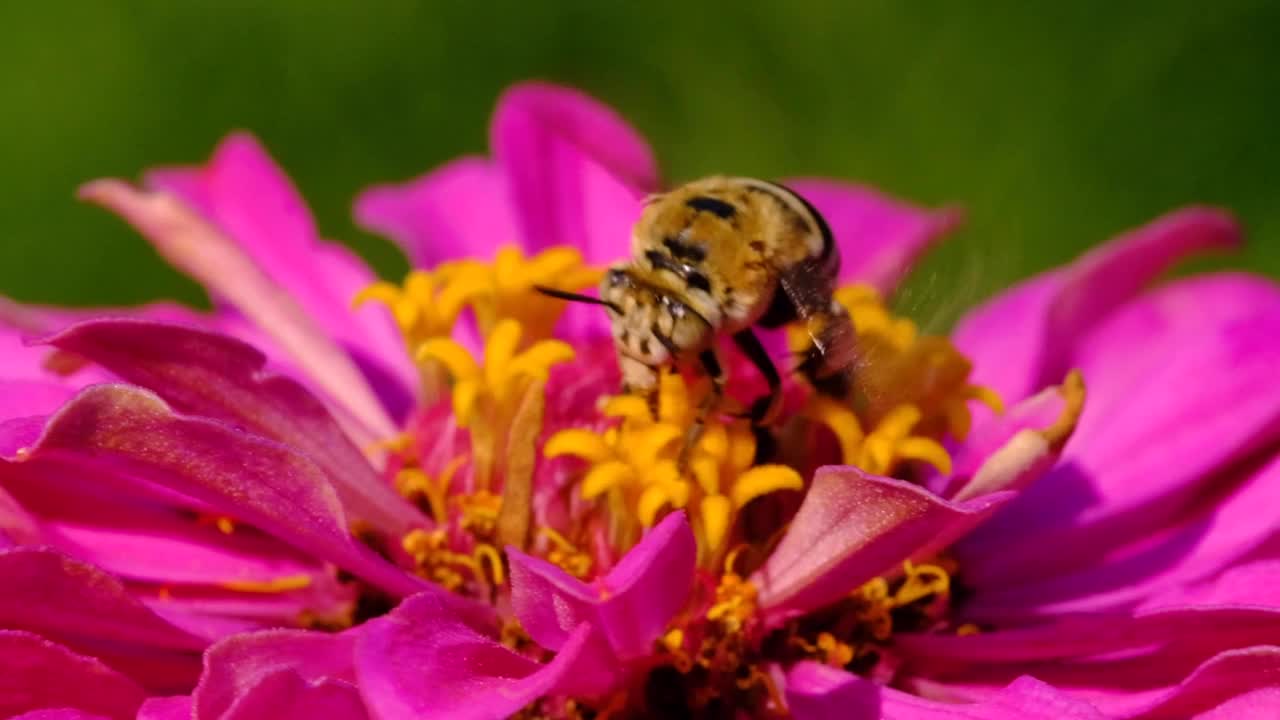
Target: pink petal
[459, 210]
[1183, 680]
[250, 198]
[1173, 633]
[126, 431]
[177, 707]
[575, 170]
[1242, 683]
[1143, 452]
[818, 692]
[47, 593]
[58, 714]
[36, 673]
[631, 605]
[879, 237]
[24, 398]
[238, 664]
[214, 612]
[1022, 339]
[285, 695]
[852, 527]
[213, 375]
[212, 258]
[1215, 536]
[1007, 451]
[435, 656]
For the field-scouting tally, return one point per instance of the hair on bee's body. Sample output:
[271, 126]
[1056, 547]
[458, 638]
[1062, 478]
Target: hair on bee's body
[716, 257]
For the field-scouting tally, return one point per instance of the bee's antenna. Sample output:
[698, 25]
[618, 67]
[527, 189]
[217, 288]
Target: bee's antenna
[575, 297]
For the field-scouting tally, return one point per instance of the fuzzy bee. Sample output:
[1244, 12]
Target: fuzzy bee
[716, 257]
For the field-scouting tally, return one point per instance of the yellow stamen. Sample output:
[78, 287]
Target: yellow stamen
[414, 483]
[275, 585]
[487, 555]
[877, 599]
[735, 604]
[638, 466]
[505, 289]
[565, 554]
[487, 400]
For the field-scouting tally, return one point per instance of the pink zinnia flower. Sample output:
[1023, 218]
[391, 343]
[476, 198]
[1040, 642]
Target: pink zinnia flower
[915, 556]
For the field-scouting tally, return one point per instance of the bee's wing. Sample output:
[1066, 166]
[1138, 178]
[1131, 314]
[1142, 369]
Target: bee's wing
[829, 363]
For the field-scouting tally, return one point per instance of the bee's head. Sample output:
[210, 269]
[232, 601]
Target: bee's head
[650, 324]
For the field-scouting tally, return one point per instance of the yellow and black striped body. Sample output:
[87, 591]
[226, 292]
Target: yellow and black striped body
[718, 256]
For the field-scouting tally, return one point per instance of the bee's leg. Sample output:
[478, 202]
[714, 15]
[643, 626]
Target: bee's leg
[711, 366]
[765, 409]
[828, 363]
[639, 379]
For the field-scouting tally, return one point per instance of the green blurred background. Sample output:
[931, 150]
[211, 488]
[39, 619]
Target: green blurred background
[1056, 124]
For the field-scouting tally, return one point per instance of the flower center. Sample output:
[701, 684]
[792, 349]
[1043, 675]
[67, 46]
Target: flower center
[578, 482]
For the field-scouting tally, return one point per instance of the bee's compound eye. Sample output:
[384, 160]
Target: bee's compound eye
[616, 277]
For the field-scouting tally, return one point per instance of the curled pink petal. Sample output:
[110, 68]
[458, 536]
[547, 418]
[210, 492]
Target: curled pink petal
[199, 249]
[238, 664]
[631, 605]
[436, 657]
[285, 695]
[219, 377]
[879, 237]
[852, 527]
[128, 431]
[1021, 340]
[575, 170]
[820, 692]
[459, 210]
[1174, 397]
[36, 674]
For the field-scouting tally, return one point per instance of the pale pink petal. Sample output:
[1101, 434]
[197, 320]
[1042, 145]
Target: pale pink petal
[459, 210]
[1180, 387]
[434, 656]
[879, 237]
[36, 674]
[209, 256]
[126, 431]
[1022, 340]
[575, 171]
[212, 375]
[631, 606]
[820, 692]
[852, 527]
[237, 664]
[249, 197]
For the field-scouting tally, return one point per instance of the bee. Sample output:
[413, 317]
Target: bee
[716, 257]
